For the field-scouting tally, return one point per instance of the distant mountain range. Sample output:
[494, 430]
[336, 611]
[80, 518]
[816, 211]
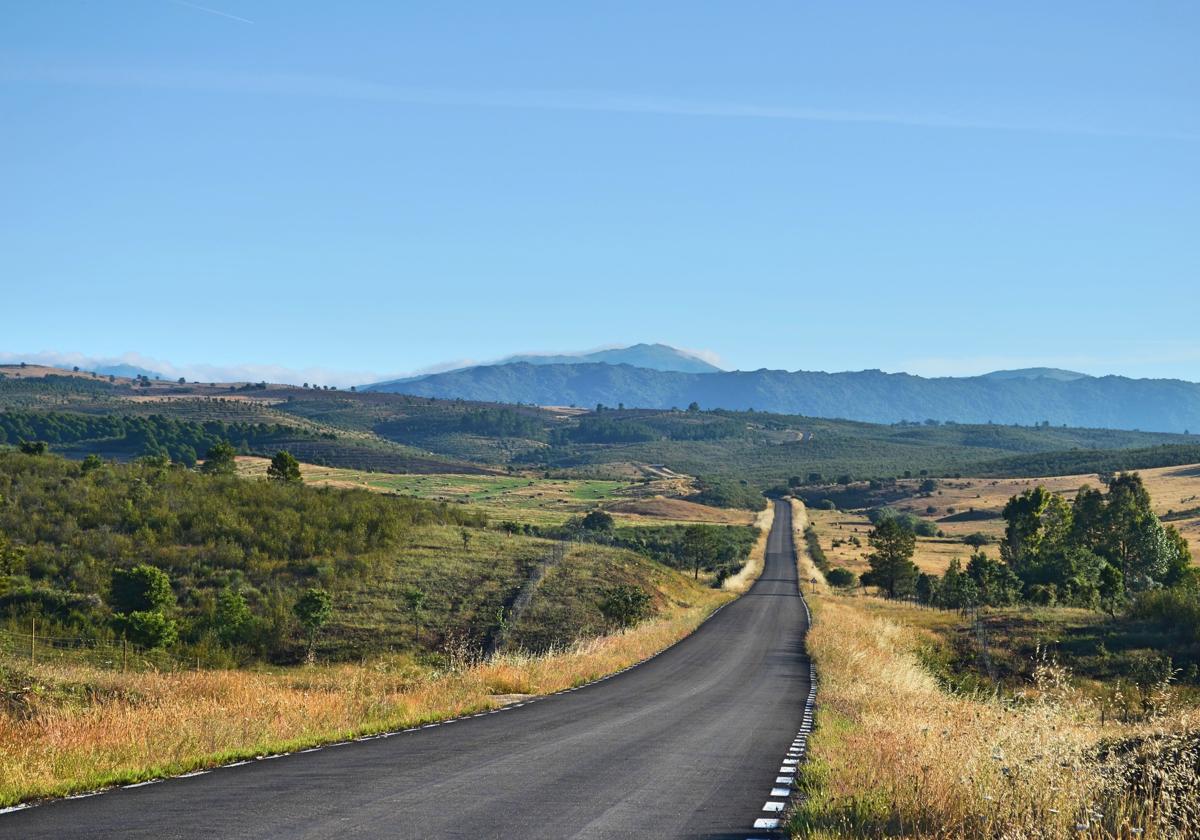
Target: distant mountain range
[1027, 397]
[652, 356]
[131, 371]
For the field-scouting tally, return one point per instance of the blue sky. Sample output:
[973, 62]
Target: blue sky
[346, 190]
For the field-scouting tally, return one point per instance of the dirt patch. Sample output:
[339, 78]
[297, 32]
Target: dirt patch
[678, 510]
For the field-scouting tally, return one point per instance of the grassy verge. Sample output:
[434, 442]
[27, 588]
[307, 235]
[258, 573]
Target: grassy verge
[66, 729]
[749, 573]
[897, 755]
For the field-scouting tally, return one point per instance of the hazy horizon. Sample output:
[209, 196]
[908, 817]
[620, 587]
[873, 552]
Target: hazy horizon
[281, 373]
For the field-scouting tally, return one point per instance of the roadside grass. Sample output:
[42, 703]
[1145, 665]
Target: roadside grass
[896, 754]
[757, 558]
[67, 729]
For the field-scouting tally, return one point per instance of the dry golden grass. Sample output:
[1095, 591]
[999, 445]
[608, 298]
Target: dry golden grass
[67, 729]
[1174, 489]
[659, 510]
[933, 554]
[805, 567]
[1171, 489]
[895, 755]
[42, 371]
[644, 500]
[749, 573]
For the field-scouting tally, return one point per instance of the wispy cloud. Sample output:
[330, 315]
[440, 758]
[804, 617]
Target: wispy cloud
[333, 87]
[200, 8]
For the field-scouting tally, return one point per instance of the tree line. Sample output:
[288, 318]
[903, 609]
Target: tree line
[182, 441]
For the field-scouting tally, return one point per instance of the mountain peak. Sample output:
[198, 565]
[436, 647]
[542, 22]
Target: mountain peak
[653, 356]
[1057, 374]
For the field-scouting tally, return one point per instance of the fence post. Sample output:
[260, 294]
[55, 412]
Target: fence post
[33, 643]
[124, 654]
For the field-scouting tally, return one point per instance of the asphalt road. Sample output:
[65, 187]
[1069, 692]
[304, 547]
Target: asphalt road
[686, 745]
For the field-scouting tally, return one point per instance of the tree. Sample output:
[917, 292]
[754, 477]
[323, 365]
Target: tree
[693, 407]
[148, 628]
[1180, 571]
[284, 467]
[696, 548]
[142, 588]
[995, 582]
[624, 605]
[220, 459]
[956, 591]
[413, 598]
[892, 568]
[34, 447]
[313, 610]
[926, 588]
[841, 577]
[597, 520]
[140, 598]
[91, 462]
[233, 619]
[1039, 522]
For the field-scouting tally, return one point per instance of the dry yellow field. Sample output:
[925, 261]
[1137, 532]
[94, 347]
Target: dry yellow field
[524, 498]
[1173, 489]
[933, 553]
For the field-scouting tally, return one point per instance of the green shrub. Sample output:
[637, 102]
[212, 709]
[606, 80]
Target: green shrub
[841, 577]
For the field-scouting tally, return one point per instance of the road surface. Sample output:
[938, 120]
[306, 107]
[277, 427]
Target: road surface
[687, 745]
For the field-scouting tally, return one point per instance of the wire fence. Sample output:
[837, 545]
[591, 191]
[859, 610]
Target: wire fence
[34, 648]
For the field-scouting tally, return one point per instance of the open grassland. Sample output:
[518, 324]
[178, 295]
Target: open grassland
[964, 506]
[960, 507]
[518, 498]
[838, 530]
[527, 499]
[895, 754]
[65, 729]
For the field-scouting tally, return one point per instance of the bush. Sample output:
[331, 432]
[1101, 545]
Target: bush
[624, 605]
[815, 552]
[842, 577]
[1176, 610]
[728, 494]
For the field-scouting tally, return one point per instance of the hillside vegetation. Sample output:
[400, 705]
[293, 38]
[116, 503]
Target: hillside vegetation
[236, 556]
[398, 433]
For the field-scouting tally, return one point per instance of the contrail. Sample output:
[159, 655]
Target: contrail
[210, 11]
